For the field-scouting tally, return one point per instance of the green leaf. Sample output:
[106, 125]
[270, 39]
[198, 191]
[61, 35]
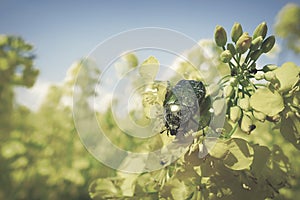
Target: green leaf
[236, 153]
[240, 154]
[174, 189]
[149, 69]
[290, 130]
[266, 101]
[288, 75]
[219, 150]
[146, 184]
[103, 188]
[128, 184]
[261, 156]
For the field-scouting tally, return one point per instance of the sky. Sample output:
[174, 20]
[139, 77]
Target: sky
[65, 31]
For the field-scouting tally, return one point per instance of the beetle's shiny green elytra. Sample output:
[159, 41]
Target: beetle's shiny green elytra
[182, 102]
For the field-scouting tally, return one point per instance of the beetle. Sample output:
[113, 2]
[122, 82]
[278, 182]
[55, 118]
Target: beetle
[182, 105]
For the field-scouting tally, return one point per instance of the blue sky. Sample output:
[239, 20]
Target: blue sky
[65, 31]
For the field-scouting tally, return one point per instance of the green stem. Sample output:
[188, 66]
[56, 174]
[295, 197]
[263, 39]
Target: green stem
[247, 57]
[239, 59]
[232, 131]
[237, 62]
[260, 84]
[224, 77]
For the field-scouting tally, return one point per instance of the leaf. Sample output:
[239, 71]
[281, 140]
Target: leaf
[266, 101]
[174, 189]
[288, 75]
[219, 150]
[290, 130]
[236, 153]
[128, 184]
[103, 188]
[240, 154]
[146, 184]
[261, 156]
[149, 69]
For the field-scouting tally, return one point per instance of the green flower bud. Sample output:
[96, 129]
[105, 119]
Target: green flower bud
[244, 103]
[231, 48]
[255, 44]
[220, 36]
[235, 113]
[213, 90]
[255, 54]
[236, 32]
[228, 91]
[261, 30]
[268, 44]
[259, 76]
[267, 68]
[259, 116]
[270, 76]
[225, 56]
[247, 124]
[243, 43]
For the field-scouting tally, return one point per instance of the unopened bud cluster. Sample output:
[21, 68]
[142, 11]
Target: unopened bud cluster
[242, 42]
[241, 55]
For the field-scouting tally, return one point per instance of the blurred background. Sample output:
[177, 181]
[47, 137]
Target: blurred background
[41, 46]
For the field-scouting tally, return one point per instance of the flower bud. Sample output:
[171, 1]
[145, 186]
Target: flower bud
[225, 56]
[235, 113]
[267, 68]
[255, 54]
[268, 44]
[244, 103]
[259, 76]
[259, 116]
[213, 90]
[247, 124]
[231, 48]
[255, 44]
[243, 43]
[270, 76]
[220, 36]
[236, 32]
[261, 30]
[228, 91]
